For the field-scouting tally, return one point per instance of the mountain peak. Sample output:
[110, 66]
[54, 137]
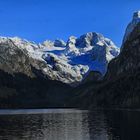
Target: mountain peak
[132, 25]
[67, 62]
[136, 15]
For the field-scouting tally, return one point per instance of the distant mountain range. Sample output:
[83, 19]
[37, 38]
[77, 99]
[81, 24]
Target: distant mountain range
[86, 72]
[66, 62]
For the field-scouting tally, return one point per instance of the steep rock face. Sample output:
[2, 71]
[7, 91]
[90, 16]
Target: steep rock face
[129, 58]
[12, 59]
[132, 25]
[123, 73]
[122, 81]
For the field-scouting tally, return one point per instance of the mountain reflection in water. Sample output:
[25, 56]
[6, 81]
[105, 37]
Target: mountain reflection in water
[69, 124]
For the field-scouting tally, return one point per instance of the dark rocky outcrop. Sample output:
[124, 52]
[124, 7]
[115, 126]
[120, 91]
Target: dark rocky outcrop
[92, 76]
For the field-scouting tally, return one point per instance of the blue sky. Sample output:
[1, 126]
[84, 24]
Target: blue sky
[38, 20]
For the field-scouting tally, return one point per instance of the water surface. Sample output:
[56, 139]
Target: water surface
[69, 124]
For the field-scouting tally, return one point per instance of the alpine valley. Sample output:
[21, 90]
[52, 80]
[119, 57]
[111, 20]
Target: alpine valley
[85, 72]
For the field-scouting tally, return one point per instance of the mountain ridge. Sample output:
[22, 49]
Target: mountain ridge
[66, 62]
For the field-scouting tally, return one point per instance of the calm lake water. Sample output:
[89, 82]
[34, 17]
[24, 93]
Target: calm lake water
[69, 124]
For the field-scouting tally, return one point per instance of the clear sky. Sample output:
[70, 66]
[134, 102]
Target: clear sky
[38, 20]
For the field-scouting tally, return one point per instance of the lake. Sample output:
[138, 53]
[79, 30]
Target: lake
[69, 124]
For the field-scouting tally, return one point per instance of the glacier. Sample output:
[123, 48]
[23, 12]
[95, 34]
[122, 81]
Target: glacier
[69, 62]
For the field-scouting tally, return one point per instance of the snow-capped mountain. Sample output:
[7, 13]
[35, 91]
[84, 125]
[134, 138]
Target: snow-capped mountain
[66, 62]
